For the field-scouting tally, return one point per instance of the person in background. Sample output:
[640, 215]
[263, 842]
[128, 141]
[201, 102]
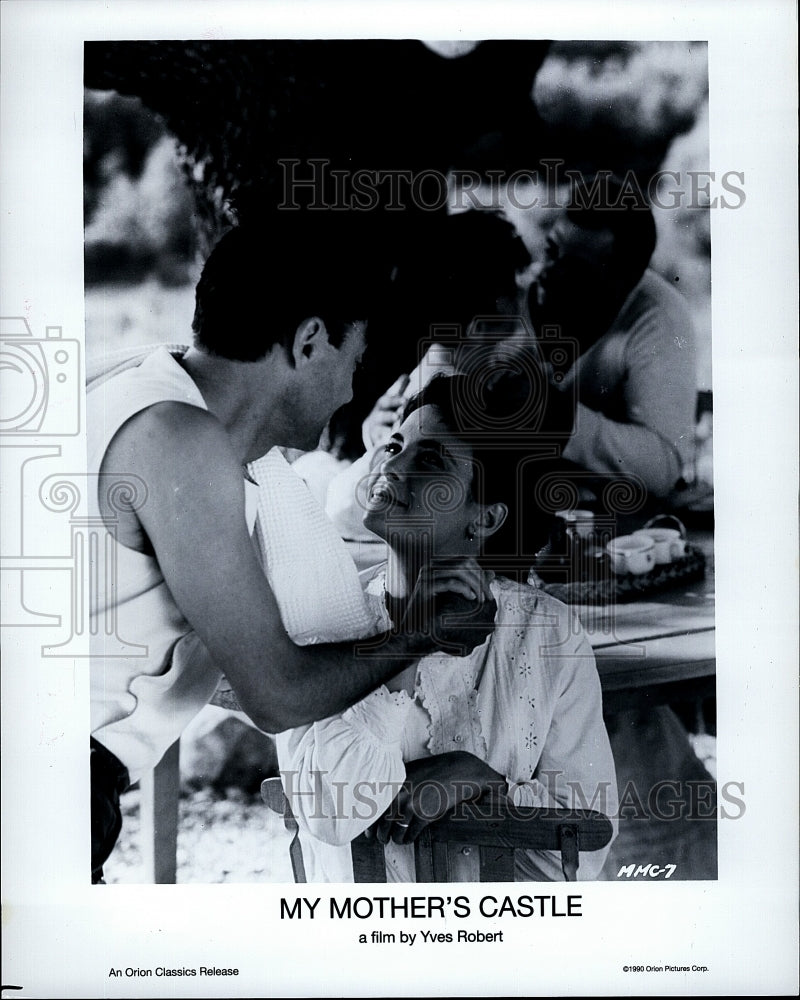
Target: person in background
[630, 336]
[633, 373]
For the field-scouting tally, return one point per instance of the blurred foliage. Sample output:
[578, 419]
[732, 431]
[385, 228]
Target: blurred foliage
[619, 105]
[373, 104]
[196, 140]
[117, 137]
[138, 209]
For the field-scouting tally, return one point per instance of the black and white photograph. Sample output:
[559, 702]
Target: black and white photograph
[512, 194]
[399, 451]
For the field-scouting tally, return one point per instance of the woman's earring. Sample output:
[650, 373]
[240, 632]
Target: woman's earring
[470, 534]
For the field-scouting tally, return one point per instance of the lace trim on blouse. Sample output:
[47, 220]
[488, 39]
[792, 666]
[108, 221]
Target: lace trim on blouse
[446, 690]
[381, 716]
[446, 687]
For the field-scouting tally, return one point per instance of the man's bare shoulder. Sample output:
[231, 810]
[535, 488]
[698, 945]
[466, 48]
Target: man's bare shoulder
[175, 442]
[168, 429]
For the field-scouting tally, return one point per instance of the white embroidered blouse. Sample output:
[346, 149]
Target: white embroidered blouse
[527, 701]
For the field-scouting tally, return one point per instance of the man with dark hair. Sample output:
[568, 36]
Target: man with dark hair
[287, 267]
[634, 370]
[279, 330]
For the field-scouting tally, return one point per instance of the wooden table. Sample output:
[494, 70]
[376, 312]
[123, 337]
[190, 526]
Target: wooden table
[659, 649]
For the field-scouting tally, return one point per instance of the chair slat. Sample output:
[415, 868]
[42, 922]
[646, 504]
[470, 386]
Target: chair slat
[513, 826]
[273, 795]
[497, 864]
[494, 826]
[441, 861]
[423, 856]
[368, 860]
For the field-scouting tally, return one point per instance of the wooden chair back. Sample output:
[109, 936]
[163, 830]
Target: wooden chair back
[494, 826]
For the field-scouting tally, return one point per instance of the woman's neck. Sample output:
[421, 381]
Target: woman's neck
[401, 575]
[405, 559]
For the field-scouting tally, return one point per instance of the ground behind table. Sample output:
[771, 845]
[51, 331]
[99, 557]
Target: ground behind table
[657, 665]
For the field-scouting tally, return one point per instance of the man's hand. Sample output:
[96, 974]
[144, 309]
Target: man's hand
[451, 608]
[434, 786]
[379, 424]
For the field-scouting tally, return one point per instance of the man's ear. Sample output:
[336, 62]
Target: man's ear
[309, 337]
[492, 518]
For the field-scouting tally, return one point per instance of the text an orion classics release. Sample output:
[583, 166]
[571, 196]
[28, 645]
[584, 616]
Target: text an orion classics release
[168, 971]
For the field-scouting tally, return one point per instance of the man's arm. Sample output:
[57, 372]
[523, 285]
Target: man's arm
[607, 446]
[194, 520]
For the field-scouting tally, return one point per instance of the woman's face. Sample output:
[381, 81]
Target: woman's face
[421, 490]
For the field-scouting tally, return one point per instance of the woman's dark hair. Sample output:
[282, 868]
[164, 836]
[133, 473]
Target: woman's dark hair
[516, 426]
[450, 270]
[462, 266]
[264, 278]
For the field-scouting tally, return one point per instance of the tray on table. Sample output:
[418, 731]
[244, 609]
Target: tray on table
[600, 585]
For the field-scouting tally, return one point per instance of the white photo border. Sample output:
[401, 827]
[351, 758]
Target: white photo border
[62, 936]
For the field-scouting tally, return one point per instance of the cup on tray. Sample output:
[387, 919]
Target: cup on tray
[669, 543]
[577, 522]
[632, 554]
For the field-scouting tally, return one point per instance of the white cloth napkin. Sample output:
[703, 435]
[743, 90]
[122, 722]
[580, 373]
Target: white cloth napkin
[312, 575]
